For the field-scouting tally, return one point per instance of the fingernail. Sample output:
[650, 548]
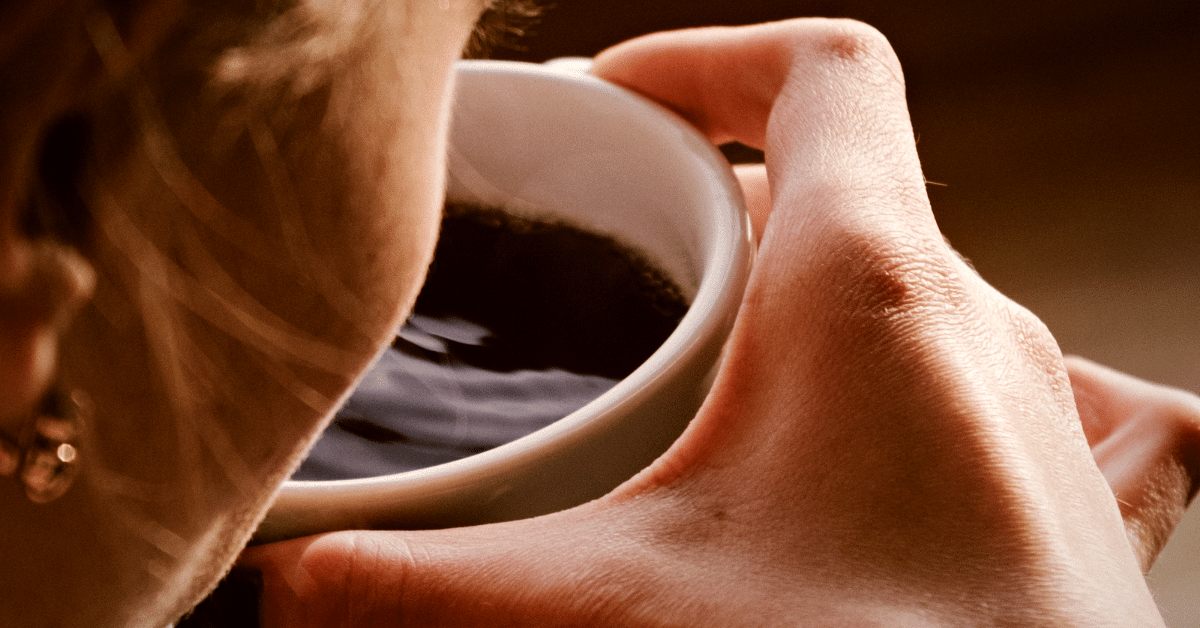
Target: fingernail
[233, 604]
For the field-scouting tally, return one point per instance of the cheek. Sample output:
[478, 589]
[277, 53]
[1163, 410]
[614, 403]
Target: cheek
[418, 212]
[411, 187]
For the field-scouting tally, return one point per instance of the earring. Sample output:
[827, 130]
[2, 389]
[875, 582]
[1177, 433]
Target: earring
[46, 455]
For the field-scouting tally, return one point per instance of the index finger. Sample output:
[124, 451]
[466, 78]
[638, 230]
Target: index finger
[825, 100]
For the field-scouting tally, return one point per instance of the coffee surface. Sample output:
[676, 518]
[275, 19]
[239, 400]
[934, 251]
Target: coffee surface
[520, 323]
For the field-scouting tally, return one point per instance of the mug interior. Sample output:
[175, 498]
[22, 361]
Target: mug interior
[545, 143]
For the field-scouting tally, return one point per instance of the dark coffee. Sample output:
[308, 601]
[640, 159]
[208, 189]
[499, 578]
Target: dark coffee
[520, 323]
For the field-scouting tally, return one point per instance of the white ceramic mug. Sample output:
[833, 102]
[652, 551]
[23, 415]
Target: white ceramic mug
[543, 140]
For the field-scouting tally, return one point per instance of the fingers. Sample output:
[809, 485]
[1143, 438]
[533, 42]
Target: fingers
[1146, 440]
[824, 98]
[305, 582]
[757, 191]
[345, 579]
[851, 258]
[873, 388]
[724, 80]
[354, 579]
[563, 570]
[54, 281]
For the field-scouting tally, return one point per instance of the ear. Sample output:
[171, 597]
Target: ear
[1146, 440]
[47, 284]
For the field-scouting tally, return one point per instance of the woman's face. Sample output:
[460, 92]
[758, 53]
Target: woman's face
[47, 72]
[212, 216]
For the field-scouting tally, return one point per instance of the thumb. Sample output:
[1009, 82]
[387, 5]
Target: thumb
[1146, 440]
[526, 572]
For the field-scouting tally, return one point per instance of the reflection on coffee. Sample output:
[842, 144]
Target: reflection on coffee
[520, 323]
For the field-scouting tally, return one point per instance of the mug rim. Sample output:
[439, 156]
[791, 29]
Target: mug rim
[710, 314]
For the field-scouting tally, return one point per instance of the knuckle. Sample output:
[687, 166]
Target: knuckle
[851, 39]
[324, 576]
[856, 43]
[1034, 341]
[882, 276]
[340, 579]
[1032, 335]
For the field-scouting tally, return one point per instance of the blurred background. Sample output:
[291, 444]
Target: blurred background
[1065, 143]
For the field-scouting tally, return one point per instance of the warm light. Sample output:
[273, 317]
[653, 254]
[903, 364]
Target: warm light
[66, 453]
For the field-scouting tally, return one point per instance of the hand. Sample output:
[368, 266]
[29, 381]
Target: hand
[890, 441]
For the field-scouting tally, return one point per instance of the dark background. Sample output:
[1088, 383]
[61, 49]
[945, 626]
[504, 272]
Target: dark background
[1067, 140]
[1065, 135]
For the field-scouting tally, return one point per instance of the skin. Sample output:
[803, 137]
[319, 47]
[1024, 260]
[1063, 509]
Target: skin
[891, 441]
[263, 191]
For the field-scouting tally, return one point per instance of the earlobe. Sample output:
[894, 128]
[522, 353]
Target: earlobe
[45, 275]
[52, 281]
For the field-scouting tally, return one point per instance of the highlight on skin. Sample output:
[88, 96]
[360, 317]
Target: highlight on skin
[254, 234]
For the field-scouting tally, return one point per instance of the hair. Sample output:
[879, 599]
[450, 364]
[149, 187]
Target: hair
[173, 244]
[148, 197]
[502, 25]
